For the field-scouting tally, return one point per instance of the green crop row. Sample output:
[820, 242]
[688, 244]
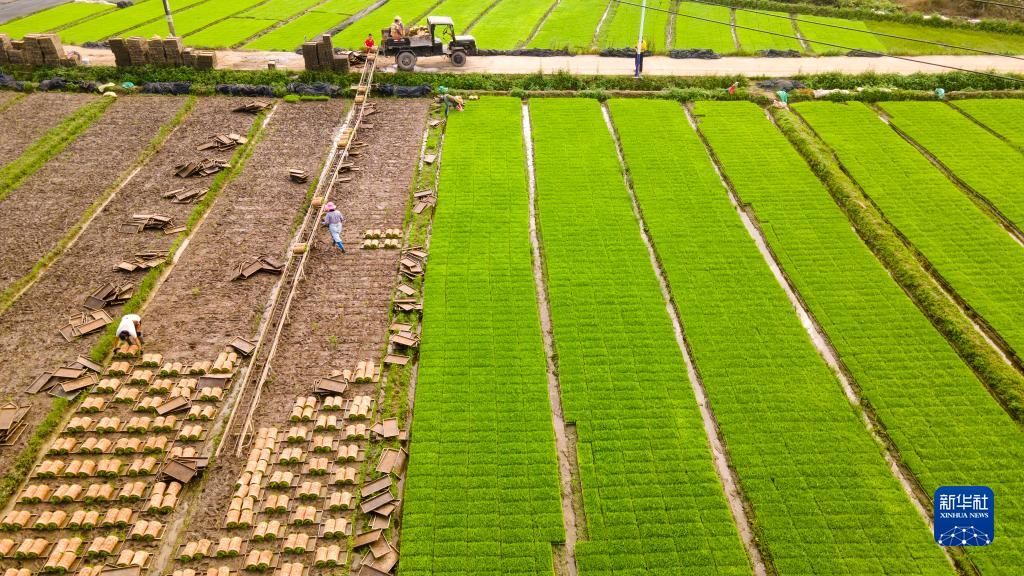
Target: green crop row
[293, 34]
[973, 253]
[52, 18]
[482, 492]
[228, 32]
[654, 504]
[814, 28]
[1004, 117]
[621, 27]
[570, 26]
[280, 9]
[118, 21]
[509, 24]
[694, 33]
[815, 479]
[196, 18]
[751, 41]
[988, 165]
[462, 12]
[923, 394]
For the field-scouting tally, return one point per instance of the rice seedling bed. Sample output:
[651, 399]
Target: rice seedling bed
[293, 34]
[978, 39]
[570, 26]
[509, 24]
[978, 258]
[1004, 117]
[279, 9]
[808, 461]
[482, 491]
[811, 28]
[228, 32]
[653, 501]
[198, 17]
[926, 398]
[622, 26]
[751, 41]
[52, 18]
[988, 165]
[691, 33]
[118, 21]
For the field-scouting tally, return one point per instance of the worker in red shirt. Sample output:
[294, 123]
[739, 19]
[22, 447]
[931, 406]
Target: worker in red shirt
[369, 44]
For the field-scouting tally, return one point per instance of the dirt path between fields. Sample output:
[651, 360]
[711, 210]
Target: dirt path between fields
[28, 120]
[35, 216]
[588, 64]
[29, 337]
[199, 308]
[340, 315]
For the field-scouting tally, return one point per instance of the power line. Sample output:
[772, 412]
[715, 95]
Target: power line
[840, 27]
[871, 52]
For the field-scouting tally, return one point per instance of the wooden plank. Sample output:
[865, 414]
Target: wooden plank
[375, 486]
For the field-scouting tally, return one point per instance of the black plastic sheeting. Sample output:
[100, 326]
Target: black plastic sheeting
[249, 90]
[175, 88]
[864, 54]
[124, 3]
[779, 53]
[541, 52]
[97, 45]
[316, 89]
[10, 83]
[621, 53]
[698, 53]
[776, 84]
[58, 83]
[403, 91]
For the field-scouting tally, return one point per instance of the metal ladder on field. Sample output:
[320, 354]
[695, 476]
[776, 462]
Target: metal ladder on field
[239, 427]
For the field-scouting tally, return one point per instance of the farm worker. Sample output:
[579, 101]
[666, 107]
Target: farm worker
[333, 220]
[641, 47]
[733, 87]
[397, 29]
[369, 44]
[130, 329]
[448, 100]
[783, 96]
[940, 93]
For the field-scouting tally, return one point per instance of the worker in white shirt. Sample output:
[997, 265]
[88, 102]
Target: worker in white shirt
[130, 329]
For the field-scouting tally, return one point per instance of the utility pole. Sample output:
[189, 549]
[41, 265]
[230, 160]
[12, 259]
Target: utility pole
[639, 42]
[170, 21]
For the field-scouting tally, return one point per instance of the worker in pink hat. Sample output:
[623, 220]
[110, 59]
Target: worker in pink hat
[333, 220]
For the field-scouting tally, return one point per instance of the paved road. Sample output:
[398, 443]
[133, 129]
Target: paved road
[13, 8]
[655, 66]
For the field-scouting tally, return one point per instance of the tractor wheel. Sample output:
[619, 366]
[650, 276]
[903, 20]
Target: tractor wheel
[406, 61]
[459, 58]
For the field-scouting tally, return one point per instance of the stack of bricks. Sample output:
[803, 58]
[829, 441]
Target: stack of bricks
[320, 56]
[137, 51]
[36, 50]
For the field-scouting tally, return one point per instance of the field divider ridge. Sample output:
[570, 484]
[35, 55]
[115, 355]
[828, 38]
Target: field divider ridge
[539, 24]
[566, 439]
[738, 503]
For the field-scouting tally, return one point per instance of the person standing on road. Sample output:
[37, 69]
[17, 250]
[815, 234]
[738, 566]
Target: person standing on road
[369, 43]
[333, 220]
[638, 68]
[130, 329]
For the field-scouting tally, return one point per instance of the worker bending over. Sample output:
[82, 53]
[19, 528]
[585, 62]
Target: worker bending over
[130, 329]
[397, 29]
[449, 100]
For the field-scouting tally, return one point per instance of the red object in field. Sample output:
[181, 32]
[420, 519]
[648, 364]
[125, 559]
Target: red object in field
[369, 44]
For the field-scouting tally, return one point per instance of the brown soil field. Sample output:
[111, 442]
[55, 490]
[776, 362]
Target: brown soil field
[26, 121]
[29, 339]
[200, 308]
[35, 216]
[340, 314]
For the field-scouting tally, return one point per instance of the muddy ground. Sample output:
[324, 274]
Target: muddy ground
[339, 316]
[35, 216]
[200, 308]
[30, 341]
[34, 116]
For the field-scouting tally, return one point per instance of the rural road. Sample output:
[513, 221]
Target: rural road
[653, 66]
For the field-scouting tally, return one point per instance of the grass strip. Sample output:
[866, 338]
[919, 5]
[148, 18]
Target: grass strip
[8, 296]
[979, 260]
[653, 500]
[985, 163]
[50, 145]
[906, 371]
[482, 489]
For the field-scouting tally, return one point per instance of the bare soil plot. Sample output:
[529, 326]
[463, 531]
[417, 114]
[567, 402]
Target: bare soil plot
[340, 315]
[34, 217]
[5, 96]
[200, 308]
[29, 337]
[28, 120]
